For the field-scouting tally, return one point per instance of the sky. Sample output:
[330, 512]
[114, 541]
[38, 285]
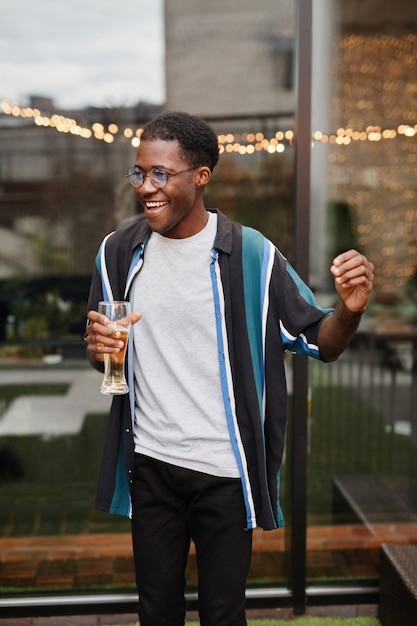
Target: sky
[82, 52]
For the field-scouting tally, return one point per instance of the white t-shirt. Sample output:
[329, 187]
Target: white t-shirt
[179, 415]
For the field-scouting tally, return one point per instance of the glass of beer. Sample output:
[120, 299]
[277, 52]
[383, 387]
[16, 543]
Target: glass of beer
[114, 381]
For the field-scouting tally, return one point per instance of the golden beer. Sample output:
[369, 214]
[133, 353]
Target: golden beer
[114, 381]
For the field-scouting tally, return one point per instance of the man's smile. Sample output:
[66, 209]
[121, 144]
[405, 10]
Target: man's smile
[155, 205]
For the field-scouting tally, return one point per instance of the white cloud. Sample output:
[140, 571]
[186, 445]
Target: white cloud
[82, 52]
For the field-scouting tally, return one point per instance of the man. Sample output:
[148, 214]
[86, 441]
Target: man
[194, 450]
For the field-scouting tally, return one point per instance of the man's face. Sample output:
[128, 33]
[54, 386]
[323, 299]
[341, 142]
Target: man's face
[176, 210]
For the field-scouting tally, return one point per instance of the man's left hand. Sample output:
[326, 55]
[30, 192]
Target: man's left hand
[353, 278]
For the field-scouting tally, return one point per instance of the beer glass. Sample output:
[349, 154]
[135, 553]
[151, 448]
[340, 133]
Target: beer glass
[114, 381]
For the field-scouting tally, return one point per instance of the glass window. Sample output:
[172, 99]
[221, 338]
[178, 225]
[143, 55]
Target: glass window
[63, 159]
[362, 418]
[63, 188]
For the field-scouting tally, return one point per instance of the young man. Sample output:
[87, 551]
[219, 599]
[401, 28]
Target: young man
[194, 450]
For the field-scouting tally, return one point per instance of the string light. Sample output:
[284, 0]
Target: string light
[248, 143]
[376, 83]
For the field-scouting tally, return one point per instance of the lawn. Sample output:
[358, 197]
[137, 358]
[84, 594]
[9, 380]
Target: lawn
[304, 621]
[311, 621]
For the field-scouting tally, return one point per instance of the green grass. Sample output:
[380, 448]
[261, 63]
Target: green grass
[55, 494]
[304, 621]
[10, 392]
[311, 621]
[348, 437]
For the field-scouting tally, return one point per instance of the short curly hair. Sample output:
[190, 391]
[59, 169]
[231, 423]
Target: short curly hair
[198, 142]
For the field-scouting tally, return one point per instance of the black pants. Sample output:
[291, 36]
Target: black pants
[170, 506]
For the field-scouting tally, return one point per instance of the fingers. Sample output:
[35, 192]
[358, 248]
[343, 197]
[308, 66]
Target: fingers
[102, 337]
[351, 259]
[94, 316]
[352, 268]
[100, 343]
[135, 317]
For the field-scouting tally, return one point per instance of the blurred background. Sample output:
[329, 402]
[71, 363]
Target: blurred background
[78, 82]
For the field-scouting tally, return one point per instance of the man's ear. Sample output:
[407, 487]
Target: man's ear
[203, 176]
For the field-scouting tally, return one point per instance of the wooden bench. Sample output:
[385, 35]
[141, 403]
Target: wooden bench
[398, 585]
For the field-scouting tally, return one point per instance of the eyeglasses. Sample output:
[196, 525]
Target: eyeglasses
[158, 176]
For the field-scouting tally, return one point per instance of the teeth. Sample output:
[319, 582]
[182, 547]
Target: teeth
[154, 205]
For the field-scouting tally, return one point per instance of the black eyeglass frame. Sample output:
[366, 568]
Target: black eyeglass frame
[137, 172]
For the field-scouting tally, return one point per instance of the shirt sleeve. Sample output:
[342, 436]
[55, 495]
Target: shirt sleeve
[300, 315]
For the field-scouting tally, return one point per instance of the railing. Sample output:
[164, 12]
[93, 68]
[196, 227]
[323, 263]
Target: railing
[363, 421]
